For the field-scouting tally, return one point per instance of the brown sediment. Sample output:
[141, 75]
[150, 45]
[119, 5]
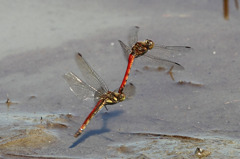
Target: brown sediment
[32, 97]
[54, 122]
[158, 69]
[53, 125]
[156, 145]
[161, 68]
[124, 149]
[184, 138]
[69, 115]
[26, 141]
[64, 118]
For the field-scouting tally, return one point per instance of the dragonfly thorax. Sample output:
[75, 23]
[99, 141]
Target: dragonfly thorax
[113, 97]
[140, 48]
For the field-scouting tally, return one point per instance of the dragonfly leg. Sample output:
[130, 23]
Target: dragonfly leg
[106, 107]
[79, 132]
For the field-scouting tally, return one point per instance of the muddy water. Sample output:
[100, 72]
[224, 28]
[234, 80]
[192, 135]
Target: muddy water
[165, 118]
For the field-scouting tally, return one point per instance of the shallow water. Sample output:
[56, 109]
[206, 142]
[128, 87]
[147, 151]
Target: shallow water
[39, 44]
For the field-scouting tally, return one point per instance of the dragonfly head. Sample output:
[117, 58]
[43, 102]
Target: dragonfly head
[115, 97]
[121, 97]
[149, 44]
[118, 97]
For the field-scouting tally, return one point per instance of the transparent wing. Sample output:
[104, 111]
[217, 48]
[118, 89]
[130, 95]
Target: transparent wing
[149, 59]
[97, 95]
[169, 51]
[133, 36]
[126, 49]
[129, 90]
[163, 62]
[92, 78]
[174, 48]
[81, 89]
[159, 54]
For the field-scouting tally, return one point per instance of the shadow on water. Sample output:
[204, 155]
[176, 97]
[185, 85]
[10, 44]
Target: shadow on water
[104, 129]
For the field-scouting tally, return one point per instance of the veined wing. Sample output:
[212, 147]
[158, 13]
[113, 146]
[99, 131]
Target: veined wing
[163, 62]
[129, 90]
[169, 51]
[126, 49]
[133, 36]
[81, 89]
[92, 78]
[161, 54]
[174, 48]
[150, 59]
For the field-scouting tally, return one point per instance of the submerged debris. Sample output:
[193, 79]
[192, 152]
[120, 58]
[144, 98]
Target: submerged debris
[171, 73]
[189, 83]
[158, 69]
[53, 125]
[201, 153]
[124, 149]
[8, 102]
[32, 97]
[154, 145]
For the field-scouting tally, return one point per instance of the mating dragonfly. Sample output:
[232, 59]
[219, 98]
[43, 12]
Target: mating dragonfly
[94, 87]
[140, 48]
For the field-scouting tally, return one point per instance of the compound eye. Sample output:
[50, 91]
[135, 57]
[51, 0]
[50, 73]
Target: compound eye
[122, 96]
[150, 44]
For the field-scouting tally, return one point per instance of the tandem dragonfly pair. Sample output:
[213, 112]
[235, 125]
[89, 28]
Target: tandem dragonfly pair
[95, 84]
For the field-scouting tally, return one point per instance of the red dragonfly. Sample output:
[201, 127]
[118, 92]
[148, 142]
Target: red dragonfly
[140, 48]
[94, 87]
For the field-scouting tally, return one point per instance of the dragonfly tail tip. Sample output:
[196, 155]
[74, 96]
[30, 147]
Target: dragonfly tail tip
[77, 134]
[79, 54]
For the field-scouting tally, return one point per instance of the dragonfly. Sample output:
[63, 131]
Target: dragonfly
[94, 87]
[140, 48]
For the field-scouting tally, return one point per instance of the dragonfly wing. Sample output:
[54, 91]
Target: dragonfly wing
[133, 36]
[81, 89]
[126, 49]
[98, 94]
[170, 51]
[163, 62]
[176, 48]
[92, 78]
[129, 90]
